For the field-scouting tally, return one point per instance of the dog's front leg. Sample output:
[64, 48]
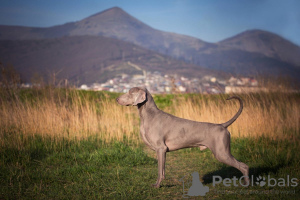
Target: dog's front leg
[161, 157]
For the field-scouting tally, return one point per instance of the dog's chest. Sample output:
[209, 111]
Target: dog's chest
[145, 135]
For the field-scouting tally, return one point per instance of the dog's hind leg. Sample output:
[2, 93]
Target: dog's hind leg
[221, 150]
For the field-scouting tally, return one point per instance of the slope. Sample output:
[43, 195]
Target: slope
[259, 51]
[87, 59]
[266, 43]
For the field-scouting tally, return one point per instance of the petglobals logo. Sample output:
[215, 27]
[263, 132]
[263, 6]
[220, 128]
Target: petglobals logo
[196, 188]
[192, 186]
[257, 181]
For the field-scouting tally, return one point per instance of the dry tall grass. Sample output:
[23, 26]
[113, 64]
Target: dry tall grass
[77, 116]
[270, 115]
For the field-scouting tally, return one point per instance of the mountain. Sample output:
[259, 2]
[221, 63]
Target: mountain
[88, 59]
[238, 62]
[254, 52]
[115, 23]
[266, 43]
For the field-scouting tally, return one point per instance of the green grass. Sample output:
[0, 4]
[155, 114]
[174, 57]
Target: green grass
[54, 167]
[92, 169]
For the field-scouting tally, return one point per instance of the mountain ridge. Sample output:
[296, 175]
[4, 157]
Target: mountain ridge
[253, 50]
[88, 59]
[272, 45]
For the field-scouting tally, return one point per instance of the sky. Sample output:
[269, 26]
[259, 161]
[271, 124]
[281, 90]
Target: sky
[208, 20]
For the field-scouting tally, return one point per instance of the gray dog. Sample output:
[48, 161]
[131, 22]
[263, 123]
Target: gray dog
[163, 132]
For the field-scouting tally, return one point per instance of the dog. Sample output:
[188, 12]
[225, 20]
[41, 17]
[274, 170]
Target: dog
[163, 132]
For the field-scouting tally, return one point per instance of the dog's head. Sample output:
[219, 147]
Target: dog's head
[134, 97]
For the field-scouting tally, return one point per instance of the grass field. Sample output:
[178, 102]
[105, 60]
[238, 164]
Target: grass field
[68, 144]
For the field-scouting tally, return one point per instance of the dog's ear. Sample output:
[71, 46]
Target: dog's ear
[140, 97]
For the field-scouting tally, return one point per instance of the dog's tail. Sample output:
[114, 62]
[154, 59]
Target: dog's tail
[226, 124]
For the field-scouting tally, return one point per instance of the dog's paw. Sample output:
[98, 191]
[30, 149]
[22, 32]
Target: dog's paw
[156, 185]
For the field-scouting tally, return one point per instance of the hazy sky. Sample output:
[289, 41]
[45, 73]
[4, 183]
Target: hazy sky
[209, 20]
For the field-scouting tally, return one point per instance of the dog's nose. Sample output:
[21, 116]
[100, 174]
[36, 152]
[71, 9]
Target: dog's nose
[117, 99]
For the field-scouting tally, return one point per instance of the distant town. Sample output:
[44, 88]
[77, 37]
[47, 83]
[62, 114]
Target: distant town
[158, 83]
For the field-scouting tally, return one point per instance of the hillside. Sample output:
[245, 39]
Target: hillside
[266, 43]
[249, 53]
[88, 59]
[114, 23]
[239, 62]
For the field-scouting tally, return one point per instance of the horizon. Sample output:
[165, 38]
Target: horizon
[208, 21]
